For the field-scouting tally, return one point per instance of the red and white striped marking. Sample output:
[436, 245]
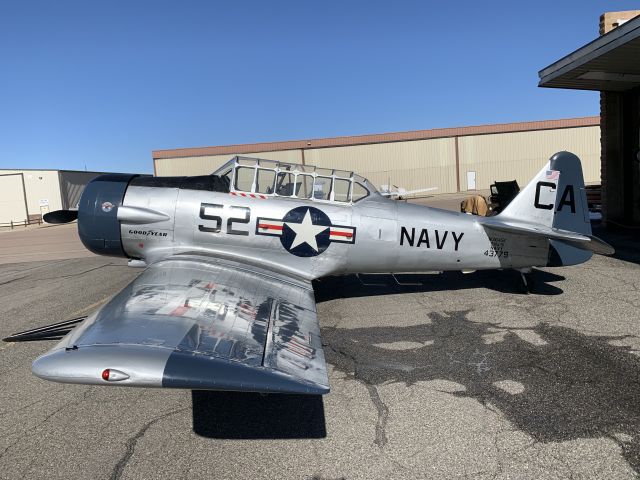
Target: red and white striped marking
[341, 234]
[249, 195]
[270, 227]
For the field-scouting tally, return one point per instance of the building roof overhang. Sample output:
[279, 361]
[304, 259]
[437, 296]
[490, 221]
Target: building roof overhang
[609, 63]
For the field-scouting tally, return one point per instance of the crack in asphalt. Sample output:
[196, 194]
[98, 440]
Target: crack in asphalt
[30, 269]
[320, 477]
[381, 408]
[130, 445]
[29, 431]
[78, 274]
[383, 416]
[23, 407]
[499, 468]
[12, 280]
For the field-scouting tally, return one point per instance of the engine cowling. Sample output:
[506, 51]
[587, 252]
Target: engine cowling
[98, 225]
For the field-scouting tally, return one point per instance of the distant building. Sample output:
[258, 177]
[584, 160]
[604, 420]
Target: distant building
[451, 159]
[28, 194]
[611, 64]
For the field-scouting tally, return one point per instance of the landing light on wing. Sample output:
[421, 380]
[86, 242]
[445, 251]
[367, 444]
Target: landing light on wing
[112, 375]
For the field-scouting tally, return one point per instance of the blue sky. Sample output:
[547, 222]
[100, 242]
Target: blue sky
[101, 84]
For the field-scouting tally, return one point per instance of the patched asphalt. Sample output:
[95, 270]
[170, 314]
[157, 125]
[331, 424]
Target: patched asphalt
[438, 376]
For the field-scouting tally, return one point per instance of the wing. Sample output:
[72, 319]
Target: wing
[198, 322]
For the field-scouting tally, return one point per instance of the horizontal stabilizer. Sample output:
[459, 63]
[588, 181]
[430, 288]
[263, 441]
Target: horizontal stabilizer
[554, 206]
[579, 240]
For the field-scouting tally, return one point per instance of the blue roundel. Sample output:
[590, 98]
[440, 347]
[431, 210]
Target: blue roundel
[306, 232]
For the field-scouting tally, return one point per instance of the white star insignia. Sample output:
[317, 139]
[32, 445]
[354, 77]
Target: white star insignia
[306, 232]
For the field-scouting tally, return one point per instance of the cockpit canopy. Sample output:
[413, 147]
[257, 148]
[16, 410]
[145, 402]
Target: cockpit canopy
[269, 177]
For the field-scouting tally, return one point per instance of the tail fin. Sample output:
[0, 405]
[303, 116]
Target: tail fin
[554, 205]
[555, 198]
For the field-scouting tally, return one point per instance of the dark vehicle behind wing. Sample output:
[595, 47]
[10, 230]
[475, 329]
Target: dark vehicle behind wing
[501, 195]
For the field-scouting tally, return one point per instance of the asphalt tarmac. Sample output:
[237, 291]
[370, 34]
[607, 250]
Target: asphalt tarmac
[41, 243]
[445, 376]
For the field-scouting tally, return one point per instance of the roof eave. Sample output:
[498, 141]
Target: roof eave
[600, 46]
[414, 135]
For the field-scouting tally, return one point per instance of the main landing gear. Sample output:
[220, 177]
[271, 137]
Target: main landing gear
[526, 285]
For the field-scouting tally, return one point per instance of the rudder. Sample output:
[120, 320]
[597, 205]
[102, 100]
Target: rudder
[572, 209]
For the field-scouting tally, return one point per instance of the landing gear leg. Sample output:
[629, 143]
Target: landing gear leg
[527, 280]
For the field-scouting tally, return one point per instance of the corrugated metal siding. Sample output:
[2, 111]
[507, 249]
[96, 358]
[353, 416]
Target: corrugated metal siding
[431, 163]
[418, 164]
[203, 165]
[520, 156]
[72, 185]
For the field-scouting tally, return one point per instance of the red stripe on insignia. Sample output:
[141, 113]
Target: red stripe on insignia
[270, 227]
[341, 234]
[263, 197]
[233, 193]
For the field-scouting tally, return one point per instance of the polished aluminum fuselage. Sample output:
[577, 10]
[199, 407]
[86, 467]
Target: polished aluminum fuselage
[390, 236]
[226, 302]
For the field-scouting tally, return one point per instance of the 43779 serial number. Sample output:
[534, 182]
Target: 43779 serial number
[496, 253]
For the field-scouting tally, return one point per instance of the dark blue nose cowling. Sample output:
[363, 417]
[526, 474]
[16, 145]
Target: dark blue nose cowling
[98, 224]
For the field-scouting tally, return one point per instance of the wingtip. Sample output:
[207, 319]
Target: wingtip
[601, 247]
[319, 390]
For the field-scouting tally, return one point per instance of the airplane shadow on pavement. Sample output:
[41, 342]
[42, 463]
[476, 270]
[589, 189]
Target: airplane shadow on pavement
[504, 281]
[564, 386]
[240, 415]
[626, 242]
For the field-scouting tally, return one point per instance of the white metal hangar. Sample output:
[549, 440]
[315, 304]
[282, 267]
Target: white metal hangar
[26, 195]
[451, 159]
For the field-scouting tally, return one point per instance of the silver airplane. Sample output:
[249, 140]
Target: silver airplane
[226, 302]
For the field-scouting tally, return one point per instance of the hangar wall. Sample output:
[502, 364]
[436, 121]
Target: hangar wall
[12, 198]
[40, 185]
[520, 155]
[423, 163]
[514, 151]
[44, 191]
